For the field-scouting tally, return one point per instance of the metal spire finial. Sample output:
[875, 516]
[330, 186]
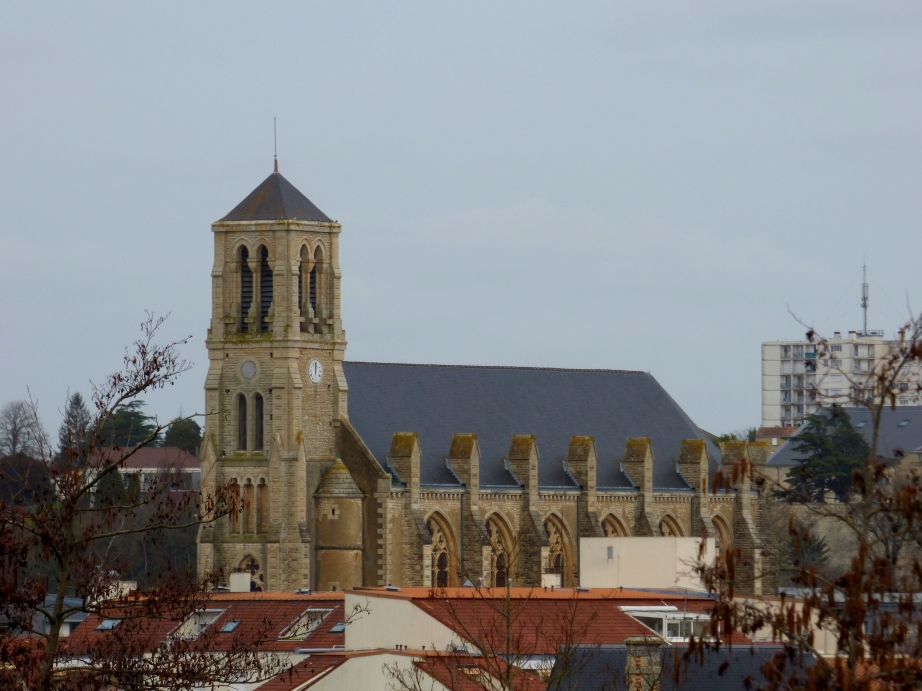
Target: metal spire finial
[275, 146]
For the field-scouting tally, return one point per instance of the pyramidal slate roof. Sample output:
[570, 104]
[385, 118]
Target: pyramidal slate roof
[276, 199]
[495, 403]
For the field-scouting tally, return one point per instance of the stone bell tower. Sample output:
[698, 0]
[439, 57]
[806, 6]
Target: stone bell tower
[275, 390]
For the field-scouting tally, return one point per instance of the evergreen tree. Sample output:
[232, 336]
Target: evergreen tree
[75, 427]
[184, 434]
[129, 426]
[832, 449]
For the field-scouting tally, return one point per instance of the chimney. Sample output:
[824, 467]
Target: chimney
[240, 582]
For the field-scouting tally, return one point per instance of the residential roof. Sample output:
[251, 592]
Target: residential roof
[775, 432]
[262, 616]
[900, 433]
[495, 403]
[311, 669]
[276, 199]
[726, 669]
[161, 457]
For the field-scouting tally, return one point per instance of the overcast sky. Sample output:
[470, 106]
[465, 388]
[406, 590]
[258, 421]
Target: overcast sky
[626, 185]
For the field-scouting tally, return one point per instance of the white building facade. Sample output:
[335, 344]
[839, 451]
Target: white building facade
[799, 377]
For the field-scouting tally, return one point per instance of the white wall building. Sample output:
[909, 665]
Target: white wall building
[799, 377]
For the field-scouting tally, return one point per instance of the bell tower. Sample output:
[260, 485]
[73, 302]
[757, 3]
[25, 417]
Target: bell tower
[275, 389]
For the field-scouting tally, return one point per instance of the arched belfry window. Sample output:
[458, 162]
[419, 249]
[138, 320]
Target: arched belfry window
[500, 555]
[315, 281]
[265, 289]
[241, 423]
[303, 275]
[258, 420]
[246, 289]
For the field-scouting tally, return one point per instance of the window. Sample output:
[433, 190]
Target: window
[833, 363]
[669, 622]
[861, 424]
[339, 628]
[786, 381]
[108, 624]
[246, 289]
[265, 289]
[258, 429]
[440, 555]
[305, 624]
[786, 352]
[798, 352]
[241, 423]
[904, 386]
[835, 349]
[197, 622]
[903, 423]
[229, 626]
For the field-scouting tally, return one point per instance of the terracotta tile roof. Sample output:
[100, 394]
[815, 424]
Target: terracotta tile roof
[154, 457]
[540, 626]
[455, 673]
[265, 616]
[311, 669]
[532, 594]
[775, 432]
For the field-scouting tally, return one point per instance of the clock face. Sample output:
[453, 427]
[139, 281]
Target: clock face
[315, 371]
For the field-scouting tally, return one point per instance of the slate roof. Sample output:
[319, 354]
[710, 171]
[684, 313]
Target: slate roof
[895, 438]
[276, 199]
[437, 401]
[604, 668]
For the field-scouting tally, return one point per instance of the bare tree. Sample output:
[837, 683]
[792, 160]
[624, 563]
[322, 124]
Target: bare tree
[20, 430]
[62, 534]
[871, 606]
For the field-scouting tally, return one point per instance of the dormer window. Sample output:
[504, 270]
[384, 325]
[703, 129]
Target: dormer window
[304, 625]
[197, 622]
[670, 623]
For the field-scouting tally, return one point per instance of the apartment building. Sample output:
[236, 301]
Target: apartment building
[799, 377]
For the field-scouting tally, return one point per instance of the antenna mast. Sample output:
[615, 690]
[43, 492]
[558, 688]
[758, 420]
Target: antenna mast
[864, 295]
[275, 147]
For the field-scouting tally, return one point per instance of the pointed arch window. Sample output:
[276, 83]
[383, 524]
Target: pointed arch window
[441, 555]
[265, 289]
[724, 534]
[613, 527]
[246, 289]
[241, 423]
[252, 567]
[315, 281]
[259, 422]
[499, 554]
[668, 527]
[557, 557]
[249, 508]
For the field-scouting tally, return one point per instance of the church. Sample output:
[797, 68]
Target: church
[375, 474]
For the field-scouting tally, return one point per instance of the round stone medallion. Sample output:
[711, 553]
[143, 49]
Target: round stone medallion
[248, 369]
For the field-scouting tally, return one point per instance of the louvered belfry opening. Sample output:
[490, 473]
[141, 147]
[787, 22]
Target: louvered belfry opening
[241, 423]
[265, 289]
[318, 260]
[258, 431]
[246, 289]
[301, 270]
